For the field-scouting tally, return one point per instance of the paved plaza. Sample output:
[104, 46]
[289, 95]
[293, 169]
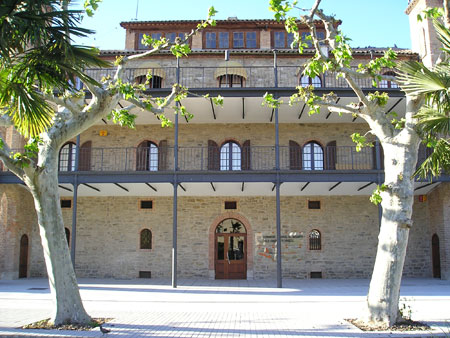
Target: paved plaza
[213, 308]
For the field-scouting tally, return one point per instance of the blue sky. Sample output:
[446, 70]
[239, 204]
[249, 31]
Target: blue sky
[379, 23]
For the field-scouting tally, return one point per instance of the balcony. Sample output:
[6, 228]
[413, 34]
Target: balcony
[253, 77]
[202, 159]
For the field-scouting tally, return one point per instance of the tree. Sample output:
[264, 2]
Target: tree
[434, 84]
[398, 137]
[37, 166]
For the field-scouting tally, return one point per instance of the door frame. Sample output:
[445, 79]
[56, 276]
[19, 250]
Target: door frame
[227, 237]
[212, 242]
[23, 256]
[436, 256]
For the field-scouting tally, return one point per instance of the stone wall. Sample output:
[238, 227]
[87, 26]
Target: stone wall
[17, 218]
[439, 211]
[108, 237]
[108, 231]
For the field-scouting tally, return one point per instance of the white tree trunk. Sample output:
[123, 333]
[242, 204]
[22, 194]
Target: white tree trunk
[384, 291]
[68, 307]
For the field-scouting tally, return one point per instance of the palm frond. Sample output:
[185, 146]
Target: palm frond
[431, 120]
[437, 162]
[416, 79]
[443, 35]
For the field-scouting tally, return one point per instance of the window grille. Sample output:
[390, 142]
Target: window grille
[315, 241]
[146, 239]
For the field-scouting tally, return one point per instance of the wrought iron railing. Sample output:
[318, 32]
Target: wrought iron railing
[254, 77]
[256, 158]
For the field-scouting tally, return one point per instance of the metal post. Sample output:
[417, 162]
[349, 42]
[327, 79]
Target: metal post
[378, 166]
[175, 194]
[277, 183]
[73, 239]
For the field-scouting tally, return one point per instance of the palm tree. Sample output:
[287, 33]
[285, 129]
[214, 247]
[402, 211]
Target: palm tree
[37, 56]
[434, 117]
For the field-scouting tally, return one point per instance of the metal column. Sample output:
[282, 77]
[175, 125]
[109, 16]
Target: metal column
[277, 183]
[175, 194]
[73, 239]
[378, 166]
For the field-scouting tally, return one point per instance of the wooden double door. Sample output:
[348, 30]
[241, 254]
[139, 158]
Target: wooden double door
[231, 256]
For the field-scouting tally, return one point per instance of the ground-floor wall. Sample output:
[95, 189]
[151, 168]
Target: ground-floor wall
[109, 228]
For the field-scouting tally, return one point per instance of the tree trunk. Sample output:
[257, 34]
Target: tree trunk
[384, 291]
[63, 284]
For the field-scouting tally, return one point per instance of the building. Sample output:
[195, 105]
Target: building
[218, 190]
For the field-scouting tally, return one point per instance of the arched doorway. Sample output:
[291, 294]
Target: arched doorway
[230, 260]
[23, 257]
[436, 256]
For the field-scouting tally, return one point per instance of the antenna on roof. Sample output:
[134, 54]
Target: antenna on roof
[137, 9]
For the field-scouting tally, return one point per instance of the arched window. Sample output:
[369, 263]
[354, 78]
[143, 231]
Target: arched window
[154, 82]
[67, 156]
[230, 80]
[147, 156]
[146, 239]
[230, 156]
[315, 240]
[67, 236]
[306, 81]
[387, 83]
[312, 156]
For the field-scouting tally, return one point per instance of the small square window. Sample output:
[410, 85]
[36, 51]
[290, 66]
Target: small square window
[238, 40]
[171, 37]
[313, 204]
[279, 40]
[251, 39]
[210, 40]
[230, 205]
[315, 274]
[224, 40]
[146, 204]
[66, 204]
[145, 274]
[156, 36]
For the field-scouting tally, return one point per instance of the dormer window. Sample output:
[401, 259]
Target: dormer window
[231, 74]
[388, 83]
[306, 81]
[223, 39]
[154, 82]
[171, 36]
[230, 80]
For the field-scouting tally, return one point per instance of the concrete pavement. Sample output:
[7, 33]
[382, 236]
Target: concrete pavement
[214, 308]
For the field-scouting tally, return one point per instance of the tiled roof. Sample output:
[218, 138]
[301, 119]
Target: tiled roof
[195, 22]
[357, 51]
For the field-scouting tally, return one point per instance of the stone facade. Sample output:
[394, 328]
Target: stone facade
[108, 231]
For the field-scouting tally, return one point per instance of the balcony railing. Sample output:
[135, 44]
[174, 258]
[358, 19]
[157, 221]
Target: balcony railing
[256, 158]
[255, 77]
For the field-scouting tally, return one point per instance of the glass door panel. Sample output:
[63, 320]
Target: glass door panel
[220, 248]
[236, 248]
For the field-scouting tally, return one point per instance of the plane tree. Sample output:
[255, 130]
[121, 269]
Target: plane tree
[39, 101]
[398, 137]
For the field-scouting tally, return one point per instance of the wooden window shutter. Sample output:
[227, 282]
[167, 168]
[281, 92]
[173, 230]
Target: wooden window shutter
[246, 156]
[213, 156]
[142, 156]
[331, 155]
[85, 156]
[162, 155]
[295, 156]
